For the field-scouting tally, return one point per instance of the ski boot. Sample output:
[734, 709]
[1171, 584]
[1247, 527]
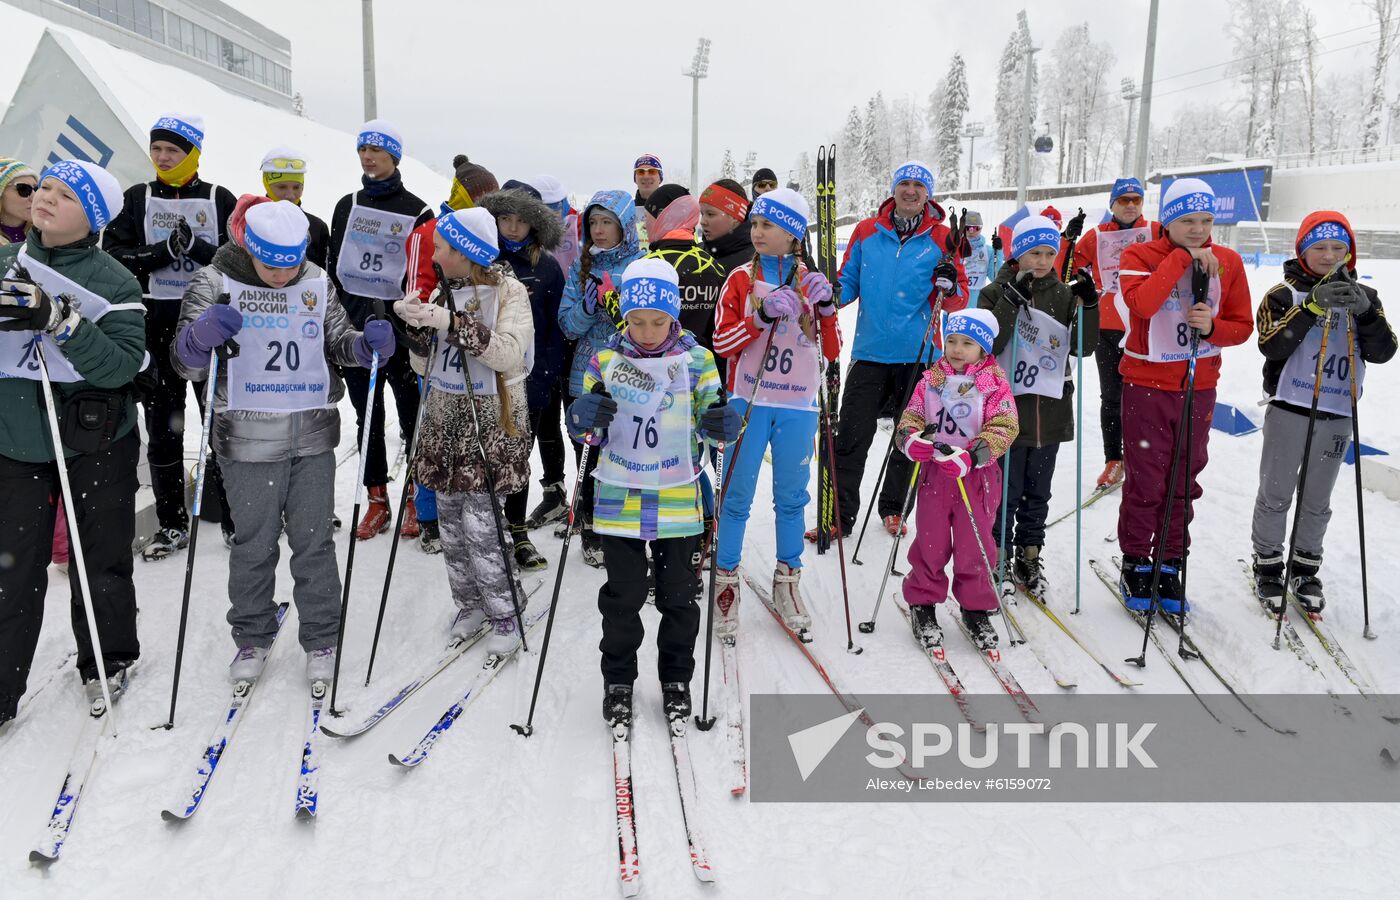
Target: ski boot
[429, 538]
[1030, 573]
[1305, 585]
[553, 506]
[1268, 581]
[1112, 474]
[895, 526]
[1169, 590]
[923, 618]
[592, 547]
[504, 638]
[467, 622]
[617, 705]
[118, 676]
[980, 629]
[410, 528]
[248, 664]
[527, 557]
[320, 665]
[675, 700]
[1135, 582]
[787, 599]
[164, 543]
[378, 517]
[811, 534]
[727, 604]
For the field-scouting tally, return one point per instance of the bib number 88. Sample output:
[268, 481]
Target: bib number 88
[1025, 375]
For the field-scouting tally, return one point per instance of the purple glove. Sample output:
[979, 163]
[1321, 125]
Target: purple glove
[782, 303]
[918, 449]
[378, 338]
[214, 326]
[589, 296]
[818, 291]
[955, 461]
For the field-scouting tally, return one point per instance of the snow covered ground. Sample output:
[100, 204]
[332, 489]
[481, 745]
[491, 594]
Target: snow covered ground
[491, 811]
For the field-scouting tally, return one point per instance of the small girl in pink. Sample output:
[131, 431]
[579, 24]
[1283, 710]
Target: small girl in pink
[960, 419]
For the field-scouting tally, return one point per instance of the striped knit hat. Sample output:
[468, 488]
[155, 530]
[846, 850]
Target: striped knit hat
[10, 169]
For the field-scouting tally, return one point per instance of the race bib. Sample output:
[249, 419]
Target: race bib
[1042, 349]
[281, 364]
[1168, 336]
[452, 367]
[18, 356]
[976, 267]
[372, 262]
[1110, 253]
[954, 410]
[162, 217]
[1295, 383]
[651, 439]
[788, 374]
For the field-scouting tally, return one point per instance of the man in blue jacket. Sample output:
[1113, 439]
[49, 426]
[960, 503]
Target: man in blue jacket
[898, 264]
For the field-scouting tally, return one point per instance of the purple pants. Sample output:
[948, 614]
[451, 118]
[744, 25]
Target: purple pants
[943, 531]
[1150, 418]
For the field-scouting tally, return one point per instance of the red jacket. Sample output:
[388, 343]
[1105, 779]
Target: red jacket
[420, 247]
[1147, 274]
[1086, 253]
[737, 326]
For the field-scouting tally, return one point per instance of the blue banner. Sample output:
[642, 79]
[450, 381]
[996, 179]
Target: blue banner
[1239, 195]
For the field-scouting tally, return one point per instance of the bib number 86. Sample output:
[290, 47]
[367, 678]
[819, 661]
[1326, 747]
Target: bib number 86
[782, 362]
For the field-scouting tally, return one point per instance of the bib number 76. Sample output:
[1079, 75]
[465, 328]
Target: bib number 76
[646, 429]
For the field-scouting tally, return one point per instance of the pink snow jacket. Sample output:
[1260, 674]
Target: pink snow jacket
[1000, 424]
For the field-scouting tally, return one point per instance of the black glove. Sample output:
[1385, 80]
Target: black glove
[945, 277]
[1084, 288]
[180, 239]
[1018, 289]
[593, 411]
[1339, 296]
[1075, 228]
[24, 306]
[996, 240]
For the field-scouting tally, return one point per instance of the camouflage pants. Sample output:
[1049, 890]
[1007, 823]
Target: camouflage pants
[471, 546]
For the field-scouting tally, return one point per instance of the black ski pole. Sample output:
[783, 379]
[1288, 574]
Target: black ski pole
[488, 473]
[218, 353]
[904, 508]
[1356, 465]
[376, 312]
[922, 361]
[704, 721]
[529, 727]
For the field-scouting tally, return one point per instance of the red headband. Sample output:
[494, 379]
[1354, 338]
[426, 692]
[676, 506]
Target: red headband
[726, 201]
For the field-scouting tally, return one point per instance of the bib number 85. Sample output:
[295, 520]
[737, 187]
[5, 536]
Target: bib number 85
[372, 262]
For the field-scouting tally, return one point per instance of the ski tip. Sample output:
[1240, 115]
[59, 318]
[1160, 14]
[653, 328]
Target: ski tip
[328, 731]
[42, 858]
[169, 816]
[305, 814]
[401, 762]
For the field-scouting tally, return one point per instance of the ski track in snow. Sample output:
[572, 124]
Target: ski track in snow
[493, 811]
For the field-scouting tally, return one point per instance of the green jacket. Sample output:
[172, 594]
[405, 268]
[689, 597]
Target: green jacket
[1044, 420]
[108, 354]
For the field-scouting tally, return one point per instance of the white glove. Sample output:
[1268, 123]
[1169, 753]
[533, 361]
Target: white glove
[944, 284]
[423, 315]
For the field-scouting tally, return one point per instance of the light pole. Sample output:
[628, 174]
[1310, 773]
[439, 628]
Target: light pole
[972, 131]
[699, 68]
[367, 41]
[1145, 112]
[1023, 133]
[1130, 93]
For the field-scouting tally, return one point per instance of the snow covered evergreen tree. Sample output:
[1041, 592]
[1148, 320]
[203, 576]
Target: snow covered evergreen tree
[947, 137]
[849, 171]
[727, 168]
[1372, 120]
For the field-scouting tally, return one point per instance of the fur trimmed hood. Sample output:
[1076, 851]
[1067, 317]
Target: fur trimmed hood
[545, 225]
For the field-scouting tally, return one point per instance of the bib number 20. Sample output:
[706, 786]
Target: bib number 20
[290, 354]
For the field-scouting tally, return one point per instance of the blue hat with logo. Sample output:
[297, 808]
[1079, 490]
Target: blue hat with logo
[913, 170]
[978, 324]
[785, 208]
[96, 189]
[379, 133]
[1032, 232]
[650, 284]
[1325, 231]
[1184, 197]
[472, 233]
[276, 234]
[1126, 186]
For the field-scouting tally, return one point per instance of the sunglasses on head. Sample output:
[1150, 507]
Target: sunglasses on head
[24, 189]
[284, 164]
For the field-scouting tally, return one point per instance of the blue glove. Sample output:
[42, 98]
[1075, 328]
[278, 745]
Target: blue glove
[592, 412]
[214, 326]
[589, 296]
[721, 422]
[377, 338]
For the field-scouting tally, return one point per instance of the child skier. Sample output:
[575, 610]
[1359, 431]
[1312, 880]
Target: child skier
[964, 401]
[650, 395]
[1290, 320]
[276, 426]
[1163, 321]
[1037, 325]
[773, 319]
[983, 263]
[1101, 249]
[487, 339]
[529, 232]
[588, 312]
